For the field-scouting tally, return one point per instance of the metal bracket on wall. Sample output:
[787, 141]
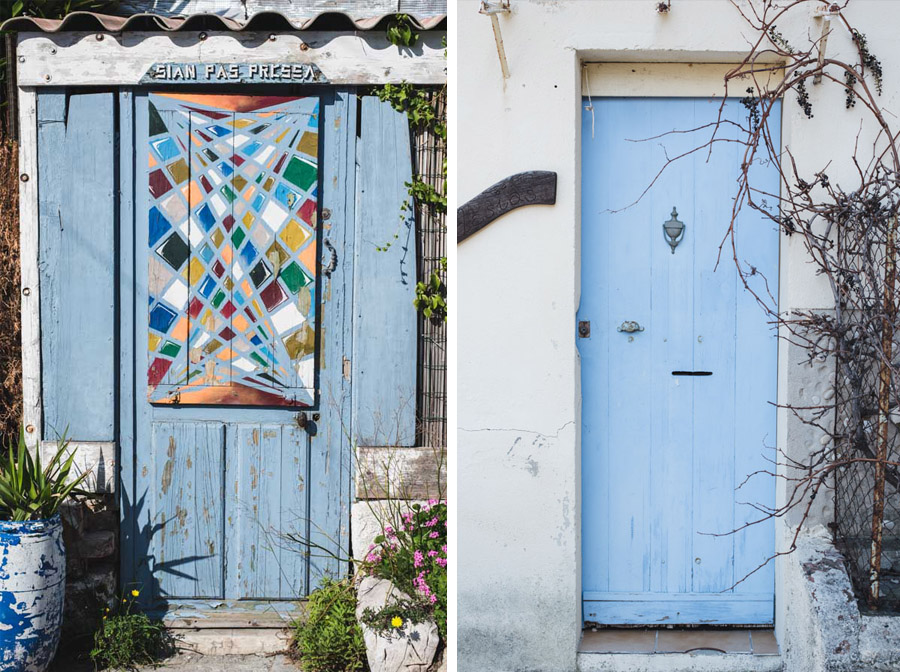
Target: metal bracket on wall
[824, 11]
[492, 9]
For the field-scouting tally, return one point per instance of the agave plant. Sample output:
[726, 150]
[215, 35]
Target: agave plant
[28, 489]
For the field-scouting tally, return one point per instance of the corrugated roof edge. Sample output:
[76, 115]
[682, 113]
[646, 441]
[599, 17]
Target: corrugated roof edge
[91, 21]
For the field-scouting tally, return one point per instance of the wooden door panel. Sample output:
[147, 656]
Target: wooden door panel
[267, 477]
[662, 454]
[185, 463]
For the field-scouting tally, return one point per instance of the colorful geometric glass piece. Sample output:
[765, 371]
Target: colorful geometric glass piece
[232, 314]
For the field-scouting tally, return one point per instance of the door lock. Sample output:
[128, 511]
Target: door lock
[629, 327]
[584, 329]
[309, 426]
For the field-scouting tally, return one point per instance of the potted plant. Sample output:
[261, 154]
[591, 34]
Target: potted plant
[32, 555]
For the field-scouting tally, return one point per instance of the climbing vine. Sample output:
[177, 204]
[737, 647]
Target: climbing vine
[845, 212]
[426, 110]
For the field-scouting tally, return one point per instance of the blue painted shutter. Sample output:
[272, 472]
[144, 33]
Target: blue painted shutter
[384, 324]
[76, 173]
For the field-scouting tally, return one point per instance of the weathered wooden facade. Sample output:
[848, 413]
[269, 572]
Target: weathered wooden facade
[206, 311]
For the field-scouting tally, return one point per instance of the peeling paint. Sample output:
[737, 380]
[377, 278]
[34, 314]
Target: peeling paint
[31, 600]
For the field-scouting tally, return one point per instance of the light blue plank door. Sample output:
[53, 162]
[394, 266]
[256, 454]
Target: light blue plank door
[237, 327]
[663, 451]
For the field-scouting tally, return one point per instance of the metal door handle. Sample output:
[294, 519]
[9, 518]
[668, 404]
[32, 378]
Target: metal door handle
[629, 327]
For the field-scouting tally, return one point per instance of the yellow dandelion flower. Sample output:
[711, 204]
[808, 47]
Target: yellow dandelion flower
[396, 621]
[135, 593]
[124, 600]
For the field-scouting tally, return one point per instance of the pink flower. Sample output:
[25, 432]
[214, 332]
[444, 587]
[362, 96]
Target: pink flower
[433, 598]
[432, 522]
[441, 561]
[433, 535]
[418, 559]
[431, 554]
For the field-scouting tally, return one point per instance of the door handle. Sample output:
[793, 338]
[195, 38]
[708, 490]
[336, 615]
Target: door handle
[629, 327]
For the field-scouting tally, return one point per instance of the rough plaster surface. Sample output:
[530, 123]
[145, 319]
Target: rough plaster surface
[825, 631]
[821, 620]
[518, 287]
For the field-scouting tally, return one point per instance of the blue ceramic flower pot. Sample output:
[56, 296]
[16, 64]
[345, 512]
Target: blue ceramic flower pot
[32, 591]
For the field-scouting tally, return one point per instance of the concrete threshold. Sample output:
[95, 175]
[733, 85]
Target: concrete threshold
[235, 630]
[232, 641]
[678, 662]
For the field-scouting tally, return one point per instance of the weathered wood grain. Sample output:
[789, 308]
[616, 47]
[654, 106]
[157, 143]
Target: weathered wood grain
[536, 187]
[205, 615]
[266, 481]
[126, 332]
[186, 507]
[78, 58]
[76, 156]
[389, 472]
[96, 458]
[384, 327]
[32, 416]
[331, 455]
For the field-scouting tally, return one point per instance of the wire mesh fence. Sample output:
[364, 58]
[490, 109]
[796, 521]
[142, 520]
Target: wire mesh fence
[867, 442]
[430, 153]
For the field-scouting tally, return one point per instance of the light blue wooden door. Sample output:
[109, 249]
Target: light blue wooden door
[240, 464]
[664, 451]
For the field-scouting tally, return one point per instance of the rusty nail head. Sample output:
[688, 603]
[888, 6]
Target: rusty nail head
[24, 177]
[304, 46]
[27, 291]
[326, 214]
[30, 429]
[99, 37]
[46, 78]
[315, 416]
[202, 36]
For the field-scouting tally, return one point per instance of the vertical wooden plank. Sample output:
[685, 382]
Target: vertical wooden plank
[594, 350]
[384, 329]
[715, 335]
[293, 558]
[140, 508]
[330, 468]
[30, 274]
[77, 164]
[671, 340]
[754, 428]
[188, 534]
[629, 359]
[125, 301]
[254, 509]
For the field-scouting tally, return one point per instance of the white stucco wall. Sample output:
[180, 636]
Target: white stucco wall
[518, 371]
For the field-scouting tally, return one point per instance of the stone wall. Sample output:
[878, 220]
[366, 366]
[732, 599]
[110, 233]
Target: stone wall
[825, 630]
[91, 535]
